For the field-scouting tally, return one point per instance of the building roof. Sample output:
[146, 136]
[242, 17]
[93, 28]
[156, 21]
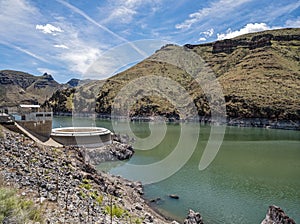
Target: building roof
[29, 106]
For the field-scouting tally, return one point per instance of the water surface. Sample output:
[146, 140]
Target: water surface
[253, 169]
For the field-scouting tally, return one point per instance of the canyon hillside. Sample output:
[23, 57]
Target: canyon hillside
[19, 87]
[259, 74]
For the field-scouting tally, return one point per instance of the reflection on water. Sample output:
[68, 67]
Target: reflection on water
[253, 169]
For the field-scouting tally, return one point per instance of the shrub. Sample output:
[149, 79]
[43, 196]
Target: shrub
[116, 211]
[17, 210]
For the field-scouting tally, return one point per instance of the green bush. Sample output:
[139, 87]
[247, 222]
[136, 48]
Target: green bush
[14, 209]
[116, 211]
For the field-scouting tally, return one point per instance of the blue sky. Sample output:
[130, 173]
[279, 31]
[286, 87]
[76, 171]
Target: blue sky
[66, 38]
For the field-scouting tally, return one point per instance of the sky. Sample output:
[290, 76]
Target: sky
[72, 39]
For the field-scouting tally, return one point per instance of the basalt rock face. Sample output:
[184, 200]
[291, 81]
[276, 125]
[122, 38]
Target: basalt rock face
[257, 41]
[276, 215]
[228, 45]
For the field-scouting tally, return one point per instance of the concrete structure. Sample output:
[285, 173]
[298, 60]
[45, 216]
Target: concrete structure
[36, 121]
[90, 137]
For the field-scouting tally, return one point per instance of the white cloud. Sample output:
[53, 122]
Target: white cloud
[222, 7]
[209, 32]
[61, 46]
[49, 29]
[202, 39]
[80, 59]
[249, 28]
[206, 34]
[293, 23]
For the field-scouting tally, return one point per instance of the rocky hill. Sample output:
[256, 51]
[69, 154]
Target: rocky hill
[19, 87]
[80, 98]
[259, 74]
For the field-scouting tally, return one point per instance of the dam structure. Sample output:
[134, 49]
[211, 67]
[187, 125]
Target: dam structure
[36, 123]
[89, 137]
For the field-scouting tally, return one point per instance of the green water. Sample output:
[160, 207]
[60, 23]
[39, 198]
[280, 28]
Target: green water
[253, 169]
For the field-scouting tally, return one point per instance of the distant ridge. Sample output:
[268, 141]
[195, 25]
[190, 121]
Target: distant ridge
[259, 74]
[19, 87]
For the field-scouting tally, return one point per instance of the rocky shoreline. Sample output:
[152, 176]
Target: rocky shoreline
[230, 121]
[119, 149]
[67, 188]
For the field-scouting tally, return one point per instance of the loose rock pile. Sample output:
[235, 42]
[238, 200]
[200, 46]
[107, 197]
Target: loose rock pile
[68, 189]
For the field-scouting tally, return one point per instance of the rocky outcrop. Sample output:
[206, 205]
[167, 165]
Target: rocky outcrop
[229, 45]
[73, 82]
[276, 215]
[257, 41]
[193, 218]
[111, 152]
[23, 88]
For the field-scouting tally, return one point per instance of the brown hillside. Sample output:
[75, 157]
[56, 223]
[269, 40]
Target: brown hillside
[259, 73]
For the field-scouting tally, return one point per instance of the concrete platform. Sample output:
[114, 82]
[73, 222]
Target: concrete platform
[89, 137]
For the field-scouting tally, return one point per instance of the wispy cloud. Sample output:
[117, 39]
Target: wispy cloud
[80, 12]
[221, 7]
[249, 28]
[28, 53]
[49, 29]
[80, 59]
[206, 34]
[282, 10]
[123, 11]
[121, 14]
[85, 58]
[17, 20]
[294, 23]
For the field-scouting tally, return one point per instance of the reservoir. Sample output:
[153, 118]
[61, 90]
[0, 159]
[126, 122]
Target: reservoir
[254, 168]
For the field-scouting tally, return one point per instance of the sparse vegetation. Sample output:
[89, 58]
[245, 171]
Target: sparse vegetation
[14, 209]
[259, 76]
[1, 132]
[114, 210]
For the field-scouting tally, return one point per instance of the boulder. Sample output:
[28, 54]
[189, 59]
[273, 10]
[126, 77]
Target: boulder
[193, 218]
[276, 215]
[174, 196]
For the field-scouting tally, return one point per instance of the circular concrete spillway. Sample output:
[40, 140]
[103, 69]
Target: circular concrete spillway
[82, 136]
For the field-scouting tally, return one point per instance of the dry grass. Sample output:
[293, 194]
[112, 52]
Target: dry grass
[16, 209]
